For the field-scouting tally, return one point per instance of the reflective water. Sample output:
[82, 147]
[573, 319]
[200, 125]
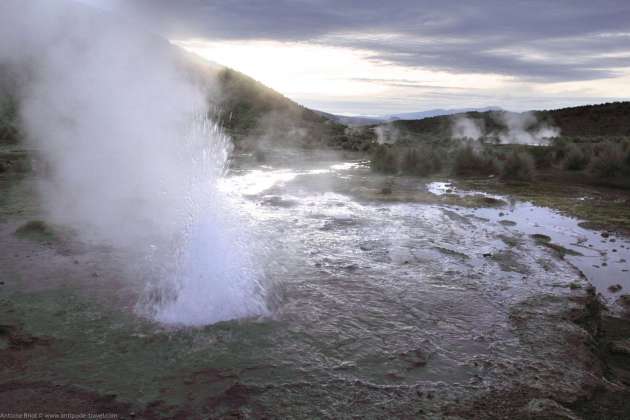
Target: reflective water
[601, 256]
[377, 304]
[392, 292]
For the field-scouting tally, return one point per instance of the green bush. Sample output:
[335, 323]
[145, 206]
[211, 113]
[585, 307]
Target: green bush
[576, 158]
[36, 230]
[609, 160]
[469, 162]
[384, 160]
[9, 129]
[519, 166]
[422, 161]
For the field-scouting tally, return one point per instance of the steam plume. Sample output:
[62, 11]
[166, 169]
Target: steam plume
[132, 157]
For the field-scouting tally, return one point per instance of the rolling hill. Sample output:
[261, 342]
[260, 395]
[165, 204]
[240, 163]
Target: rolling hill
[593, 122]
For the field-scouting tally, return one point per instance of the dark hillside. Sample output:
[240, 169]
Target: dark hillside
[610, 119]
[590, 121]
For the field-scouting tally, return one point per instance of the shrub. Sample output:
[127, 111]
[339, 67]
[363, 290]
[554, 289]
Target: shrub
[608, 160]
[9, 130]
[36, 230]
[575, 158]
[468, 162]
[519, 166]
[384, 160]
[422, 161]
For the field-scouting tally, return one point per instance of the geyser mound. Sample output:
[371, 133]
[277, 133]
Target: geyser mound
[132, 161]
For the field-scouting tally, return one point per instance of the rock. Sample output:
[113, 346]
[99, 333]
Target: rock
[276, 201]
[614, 288]
[539, 237]
[386, 190]
[416, 358]
[605, 234]
[545, 408]
[620, 346]
[487, 255]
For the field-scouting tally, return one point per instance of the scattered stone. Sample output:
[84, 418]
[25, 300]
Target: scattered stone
[575, 286]
[539, 237]
[605, 234]
[487, 255]
[615, 288]
[416, 358]
[276, 201]
[351, 267]
[492, 201]
[507, 223]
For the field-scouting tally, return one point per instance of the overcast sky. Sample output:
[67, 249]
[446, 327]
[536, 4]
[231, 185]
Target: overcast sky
[375, 57]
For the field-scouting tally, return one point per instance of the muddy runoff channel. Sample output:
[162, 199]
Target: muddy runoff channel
[393, 297]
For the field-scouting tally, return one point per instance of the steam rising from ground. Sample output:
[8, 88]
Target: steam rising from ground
[386, 134]
[516, 128]
[132, 159]
[466, 128]
[525, 129]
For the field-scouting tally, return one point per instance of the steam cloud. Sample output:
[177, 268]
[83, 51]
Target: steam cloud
[133, 160]
[466, 128]
[517, 128]
[525, 129]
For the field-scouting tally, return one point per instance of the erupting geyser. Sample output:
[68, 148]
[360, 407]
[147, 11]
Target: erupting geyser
[133, 160]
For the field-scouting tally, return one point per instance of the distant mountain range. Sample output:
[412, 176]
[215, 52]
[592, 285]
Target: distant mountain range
[588, 122]
[256, 116]
[355, 121]
[436, 113]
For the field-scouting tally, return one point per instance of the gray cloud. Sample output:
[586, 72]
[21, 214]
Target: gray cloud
[564, 40]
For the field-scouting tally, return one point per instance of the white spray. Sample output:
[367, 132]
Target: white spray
[133, 159]
[519, 129]
[463, 127]
[523, 128]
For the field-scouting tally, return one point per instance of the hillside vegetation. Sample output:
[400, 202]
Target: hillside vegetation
[257, 116]
[590, 122]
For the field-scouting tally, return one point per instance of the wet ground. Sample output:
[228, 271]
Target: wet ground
[392, 297]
